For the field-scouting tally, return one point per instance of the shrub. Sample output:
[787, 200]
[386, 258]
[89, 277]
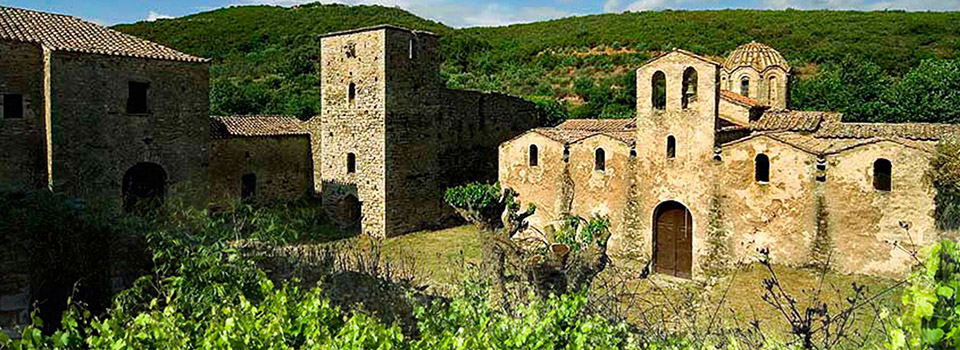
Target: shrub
[931, 318]
[944, 172]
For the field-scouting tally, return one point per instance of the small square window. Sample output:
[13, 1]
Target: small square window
[137, 98]
[12, 106]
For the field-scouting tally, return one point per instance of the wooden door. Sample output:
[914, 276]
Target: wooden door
[674, 240]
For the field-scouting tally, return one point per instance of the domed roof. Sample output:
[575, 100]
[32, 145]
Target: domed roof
[755, 55]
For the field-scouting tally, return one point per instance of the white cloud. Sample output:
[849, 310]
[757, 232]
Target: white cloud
[644, 5]
[153, 16]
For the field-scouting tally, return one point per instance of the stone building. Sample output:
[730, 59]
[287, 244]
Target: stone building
[259, 159]
[703, 170]
[100, 115]
[95, 114]
[392, 138]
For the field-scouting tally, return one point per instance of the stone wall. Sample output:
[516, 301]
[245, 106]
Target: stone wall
[689, 178]
[734, 112]
[412, 138]
[547, 184]
[866, 226]
[601, 192]
[282, 166]
[356, 127]
[779, 215]
[14, 284]
[95, 140]
[23, 160]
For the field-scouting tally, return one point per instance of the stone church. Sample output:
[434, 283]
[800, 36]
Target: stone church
[716, 161]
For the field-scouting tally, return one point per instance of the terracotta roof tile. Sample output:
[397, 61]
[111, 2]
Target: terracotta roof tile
[255, 126]
[738, 98]
[71, 34]
[598, 124]
[787, 120]
[755, 55]
[572, 136]
[911, 131]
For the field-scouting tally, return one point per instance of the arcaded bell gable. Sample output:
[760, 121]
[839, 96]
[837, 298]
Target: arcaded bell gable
[710, 165]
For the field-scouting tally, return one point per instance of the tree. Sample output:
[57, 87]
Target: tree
[928, 93]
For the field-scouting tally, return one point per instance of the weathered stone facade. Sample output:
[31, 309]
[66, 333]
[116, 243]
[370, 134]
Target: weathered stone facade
[393, 138]
[99, 115]
[259, 159]
[806, 186]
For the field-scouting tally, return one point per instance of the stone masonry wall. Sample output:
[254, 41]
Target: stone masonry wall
[601, 192]
[688, 179]
[282, 167]
[23, 160]
[412, 138]
[866, 226]
[14, 284]
[95, 141]
[544, 184]
[780, 215]
[356, 127]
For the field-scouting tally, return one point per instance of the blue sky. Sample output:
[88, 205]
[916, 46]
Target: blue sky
[459, 13]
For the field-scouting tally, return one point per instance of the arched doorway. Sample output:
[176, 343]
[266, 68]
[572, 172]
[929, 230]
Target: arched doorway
[673, 237]
[348, 211]
[144, 186]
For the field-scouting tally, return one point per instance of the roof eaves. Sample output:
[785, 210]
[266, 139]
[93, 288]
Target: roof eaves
[377, 27]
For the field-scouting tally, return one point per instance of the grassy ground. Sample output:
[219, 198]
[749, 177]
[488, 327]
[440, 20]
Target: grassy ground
[438, 258]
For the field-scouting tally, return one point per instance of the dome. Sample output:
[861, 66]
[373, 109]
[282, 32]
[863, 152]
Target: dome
[756, 55]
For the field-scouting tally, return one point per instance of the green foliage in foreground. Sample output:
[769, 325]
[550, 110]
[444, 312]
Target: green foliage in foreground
[932, 316]
[206, 293]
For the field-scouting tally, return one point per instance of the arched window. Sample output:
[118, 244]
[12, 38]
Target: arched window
[689, 86]
[745, 86]
[762, 168]
[534, 155]
[882, 175]
[351, 93]
[659, 90]
[671, 147]
[600, 162]
[351, 163]
[773, 92]
[248, 186]
[410, 47]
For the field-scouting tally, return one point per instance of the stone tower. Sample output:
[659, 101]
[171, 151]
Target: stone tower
[677, 104]
[393, 138]
[361, 72]
[758, 71]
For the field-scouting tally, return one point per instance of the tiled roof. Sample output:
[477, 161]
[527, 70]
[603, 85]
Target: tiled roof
[572, 136]
[738, 98]
[911, 131]
[599, 124]
[755, 55]
[66, 33]
[255, 126]
[684, 52]
[377, 27]
[802, 121]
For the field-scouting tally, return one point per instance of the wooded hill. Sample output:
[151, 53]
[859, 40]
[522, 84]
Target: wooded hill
[882, 66]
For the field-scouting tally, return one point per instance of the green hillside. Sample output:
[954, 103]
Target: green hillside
[867, 64]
